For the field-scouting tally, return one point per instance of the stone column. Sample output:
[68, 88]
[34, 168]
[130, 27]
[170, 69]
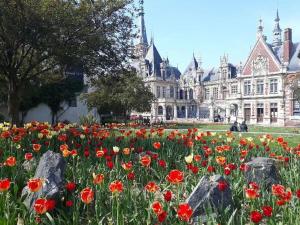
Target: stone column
[175, 111]
[164, 113]
[186, 111]
[211, 114]
[227, 112]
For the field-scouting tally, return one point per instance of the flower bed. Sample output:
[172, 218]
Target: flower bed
[143, 176]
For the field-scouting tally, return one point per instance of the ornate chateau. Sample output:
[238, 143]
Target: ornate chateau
[257, 91]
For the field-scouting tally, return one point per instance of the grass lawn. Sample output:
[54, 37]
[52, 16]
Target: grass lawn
[252, 128]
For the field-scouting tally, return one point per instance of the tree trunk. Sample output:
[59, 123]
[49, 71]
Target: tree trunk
[53, 118]
[13, 103]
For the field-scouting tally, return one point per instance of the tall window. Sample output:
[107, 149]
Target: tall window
[233, 89]
[206, 94]
[273, 86]
[191, 96]
[247, 87]
[160, 110]
[260, 87]
[274, 112]
[215, 93]
[158, 91]
[260, 112]
[296, 106]
[186, 94]
[181, 93]
[171, 92]
[164, 92]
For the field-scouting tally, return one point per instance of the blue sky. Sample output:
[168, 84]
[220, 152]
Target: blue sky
[212, 28]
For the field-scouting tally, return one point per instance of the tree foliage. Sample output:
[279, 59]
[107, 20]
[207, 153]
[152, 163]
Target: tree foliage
[120, 94]
[295, 86]
[39, 38]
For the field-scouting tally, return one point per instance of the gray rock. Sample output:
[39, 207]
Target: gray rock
[29, 165]
[207, 195]
[51, 168]
[263, 171]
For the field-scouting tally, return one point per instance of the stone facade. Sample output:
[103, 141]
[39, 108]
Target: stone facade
[257, 91]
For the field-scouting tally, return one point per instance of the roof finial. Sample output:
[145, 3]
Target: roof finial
[260, 29]
[141, 7]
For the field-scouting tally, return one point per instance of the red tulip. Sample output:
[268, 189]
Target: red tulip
[4, 185]
[222, 185]
[175, 176]
[168, 196]
[184, 211]
[255, 216]
[267, 211]
[70, 186]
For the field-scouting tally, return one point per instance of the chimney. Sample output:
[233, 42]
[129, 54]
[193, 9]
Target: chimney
[287, 45]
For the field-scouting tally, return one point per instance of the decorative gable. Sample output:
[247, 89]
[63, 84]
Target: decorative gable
[261, 60]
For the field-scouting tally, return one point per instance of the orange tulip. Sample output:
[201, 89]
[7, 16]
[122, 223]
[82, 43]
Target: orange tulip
[152, 187]
[221, 160]
[40, 206]
[98, 179]
[10, 161]
[145, 160]
[87, 195]
[127, 166]
[36, 147]
[175, 176]
[116, 187]
[157, 208]
[251, 193]
[35, 184]
[156, 145]
[126, 151]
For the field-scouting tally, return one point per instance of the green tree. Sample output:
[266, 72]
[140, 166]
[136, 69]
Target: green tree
[120, 94]
[39, 38]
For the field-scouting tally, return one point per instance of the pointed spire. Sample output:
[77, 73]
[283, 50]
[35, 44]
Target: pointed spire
[277, 31]
[152, 39]
[143, 33]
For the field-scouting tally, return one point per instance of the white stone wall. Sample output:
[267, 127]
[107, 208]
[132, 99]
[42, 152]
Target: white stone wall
[42, 113]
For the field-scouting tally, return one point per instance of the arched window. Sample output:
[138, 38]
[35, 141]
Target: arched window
[160, 110]
[191, 94]
[296, 103]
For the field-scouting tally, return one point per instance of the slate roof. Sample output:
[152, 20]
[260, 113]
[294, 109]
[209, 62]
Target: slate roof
[294, 64]
[193, 66]
[174, 71]
[210, 75]
[154, 60]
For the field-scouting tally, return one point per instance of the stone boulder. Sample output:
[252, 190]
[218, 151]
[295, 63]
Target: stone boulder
[207, 194]
[51, 168]
[263, 171]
